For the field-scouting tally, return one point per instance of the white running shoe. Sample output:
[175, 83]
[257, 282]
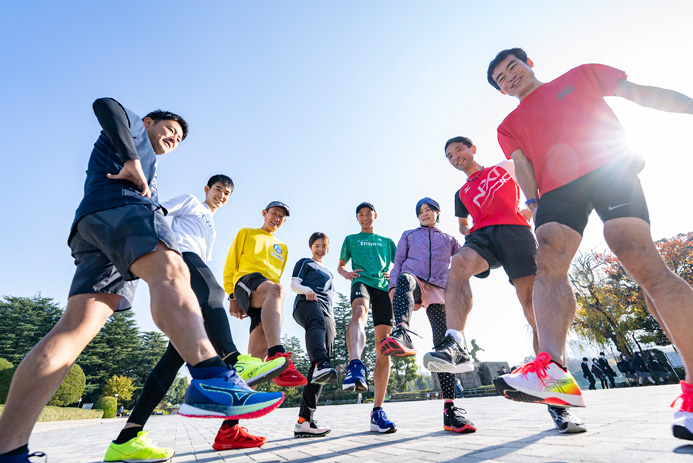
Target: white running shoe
[542, 381]
[683, 418]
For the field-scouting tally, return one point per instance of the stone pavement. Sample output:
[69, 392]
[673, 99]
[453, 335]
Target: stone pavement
[625, 425]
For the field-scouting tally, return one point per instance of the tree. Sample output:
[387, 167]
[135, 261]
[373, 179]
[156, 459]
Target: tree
[152, 346]
[23, 322]
[176, 392]
[71, 389]
[403, 374]
[612, 307]
[121, 385]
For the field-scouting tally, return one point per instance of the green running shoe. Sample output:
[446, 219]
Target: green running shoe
[138, 449]
[254, 371]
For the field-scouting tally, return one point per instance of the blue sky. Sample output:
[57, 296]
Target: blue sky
[321, 105]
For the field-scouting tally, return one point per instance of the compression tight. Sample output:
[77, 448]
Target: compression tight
[436, 316]
[407, 293]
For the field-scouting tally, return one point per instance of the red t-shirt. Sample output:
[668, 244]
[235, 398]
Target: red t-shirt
[492, 197]
[565, 127]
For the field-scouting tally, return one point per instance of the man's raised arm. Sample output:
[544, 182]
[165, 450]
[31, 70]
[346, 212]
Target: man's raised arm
[655, 97]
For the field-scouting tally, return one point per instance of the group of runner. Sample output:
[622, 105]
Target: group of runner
[565, 150]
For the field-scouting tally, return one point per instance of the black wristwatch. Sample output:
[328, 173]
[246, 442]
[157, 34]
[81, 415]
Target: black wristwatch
[232, 297]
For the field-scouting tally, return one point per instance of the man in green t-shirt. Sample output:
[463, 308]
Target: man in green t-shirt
[371, 257]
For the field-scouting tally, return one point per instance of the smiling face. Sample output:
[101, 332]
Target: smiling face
[164, 135]
[515, 77]
[366, 217]
[217, 195]
[461, 157]
[274, 218]
[320, 248]
[427, 216]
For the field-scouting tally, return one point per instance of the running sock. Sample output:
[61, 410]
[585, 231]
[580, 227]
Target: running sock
[375, 409]
[301, 420]
[274, 350]
[18, 451]
[456, 335]
[448, 404]
[128, 433]
[229, 424]
[215, 361]
[232, 358]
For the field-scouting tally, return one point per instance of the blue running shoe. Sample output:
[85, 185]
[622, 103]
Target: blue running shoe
[22, 457]
[355, 379]
[380, 423]
[218, 392]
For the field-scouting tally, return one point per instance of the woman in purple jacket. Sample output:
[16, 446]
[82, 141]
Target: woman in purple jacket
[418, 280]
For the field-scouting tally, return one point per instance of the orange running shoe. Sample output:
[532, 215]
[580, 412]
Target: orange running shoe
[236, 437]
[291, 376]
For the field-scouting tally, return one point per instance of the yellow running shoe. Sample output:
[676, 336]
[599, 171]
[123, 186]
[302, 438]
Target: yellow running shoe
[254, 371]
[136, 450]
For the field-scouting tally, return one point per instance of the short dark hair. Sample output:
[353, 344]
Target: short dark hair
[464, 140]
[220, 178]
[316, 236]
[160, 115]
[584, 359]
[601, 353]
[518, 53]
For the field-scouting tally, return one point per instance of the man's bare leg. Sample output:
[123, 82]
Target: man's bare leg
[524, 287]
[356, 330]
[270, 296]
[381, 374]
[554, 301]
[630, 239]
[257, 343]
[174, 307]
[45, 367]
[458, 292]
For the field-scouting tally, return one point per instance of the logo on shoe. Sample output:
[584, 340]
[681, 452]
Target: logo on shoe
[237, 397]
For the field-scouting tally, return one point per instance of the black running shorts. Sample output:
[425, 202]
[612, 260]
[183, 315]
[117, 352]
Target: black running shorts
[613, 190]
[511, 246]
[106, 243]
[379, 300]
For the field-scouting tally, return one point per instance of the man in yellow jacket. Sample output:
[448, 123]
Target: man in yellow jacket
[254, 265]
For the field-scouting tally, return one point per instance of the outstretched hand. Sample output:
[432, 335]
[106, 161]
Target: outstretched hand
[132, 172]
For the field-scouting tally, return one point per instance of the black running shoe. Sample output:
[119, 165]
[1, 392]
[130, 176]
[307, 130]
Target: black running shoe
[448, 357]
[454, 420]
[324, 373]
[398, 343]
[565, 421]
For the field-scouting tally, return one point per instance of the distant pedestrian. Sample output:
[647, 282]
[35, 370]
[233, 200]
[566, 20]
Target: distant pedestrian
[587, 374]
[606, 368]
[658, 370]
[641, 369]
[626, 368]
[599, 374]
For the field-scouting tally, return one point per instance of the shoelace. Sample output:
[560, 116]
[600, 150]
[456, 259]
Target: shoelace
[232, 377]
[356, 365]
[537, 366]
[444, 342]
[406, 330]
[686, 399]
[457, 410]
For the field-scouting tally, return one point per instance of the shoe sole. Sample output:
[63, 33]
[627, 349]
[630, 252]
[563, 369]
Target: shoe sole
[358, 386]
[572, 428]
[390, 430]
[440, 366]
[266, 376]
[391, 347]
[467, 428]
[228, 412]
[326, 378]
[310, 434]
[682, 432]
[282, 383]
[237, 446]
[140, 460]
[519, 394]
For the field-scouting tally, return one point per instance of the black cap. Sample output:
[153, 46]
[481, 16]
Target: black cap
[362, 205]
[278, 204]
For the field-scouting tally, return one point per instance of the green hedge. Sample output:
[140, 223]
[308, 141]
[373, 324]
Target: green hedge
[108, 405]
[5, 380]
[66, 413]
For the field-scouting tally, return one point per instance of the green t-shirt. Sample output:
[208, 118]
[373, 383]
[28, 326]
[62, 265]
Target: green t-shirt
[372, 254]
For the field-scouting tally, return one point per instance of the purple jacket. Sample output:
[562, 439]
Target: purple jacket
[425, 253]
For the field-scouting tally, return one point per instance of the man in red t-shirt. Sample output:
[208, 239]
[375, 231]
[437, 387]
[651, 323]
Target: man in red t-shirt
[569, 152]
[500, 236]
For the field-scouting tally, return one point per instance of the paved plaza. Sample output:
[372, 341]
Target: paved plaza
[629, 425]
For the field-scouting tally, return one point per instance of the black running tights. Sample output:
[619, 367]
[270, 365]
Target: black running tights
[436, 316]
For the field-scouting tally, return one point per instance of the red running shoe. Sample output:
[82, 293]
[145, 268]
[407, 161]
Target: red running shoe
[291, 376]
[236, 437]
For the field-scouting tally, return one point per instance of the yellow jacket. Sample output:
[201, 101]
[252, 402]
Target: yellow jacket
[254, 250]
